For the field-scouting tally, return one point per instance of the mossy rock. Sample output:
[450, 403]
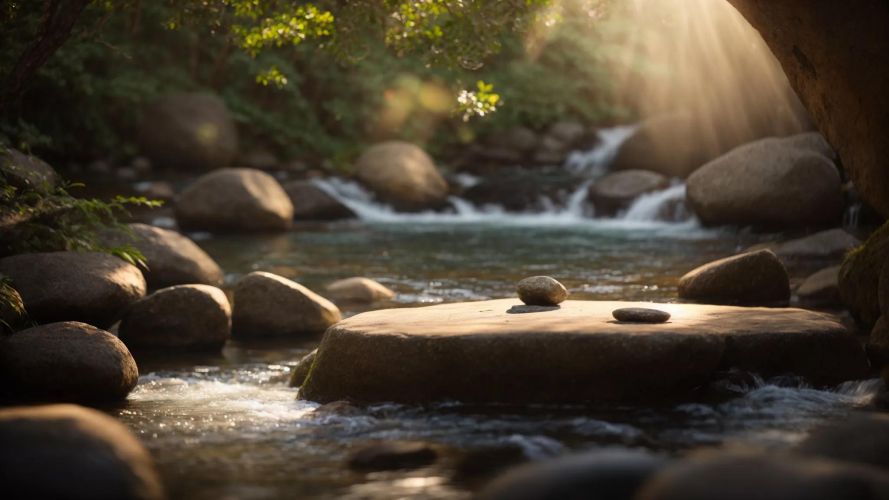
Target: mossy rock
[860, 275]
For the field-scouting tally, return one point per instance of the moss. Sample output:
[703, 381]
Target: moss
[860, 275]
[12, 308]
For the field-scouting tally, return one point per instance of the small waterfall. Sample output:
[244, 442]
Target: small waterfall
[594, 163]
[667, 205]
[851, 217]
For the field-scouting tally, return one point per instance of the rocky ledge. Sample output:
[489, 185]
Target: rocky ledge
[479, 352]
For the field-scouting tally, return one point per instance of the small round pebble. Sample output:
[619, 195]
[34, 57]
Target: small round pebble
[640, 315]
[541, 291]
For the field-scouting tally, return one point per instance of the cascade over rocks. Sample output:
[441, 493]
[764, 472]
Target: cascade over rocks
[403, 175]
[575, 353]
[311, 203]
[74, 286]
[617, 190]
[188, 131]
[767, 184]
[235, 200]
[753, 278]
[523, 189]
[68, 361]
[67, 451]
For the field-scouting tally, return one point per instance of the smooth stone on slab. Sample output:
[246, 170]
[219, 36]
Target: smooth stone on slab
[70, 452]
[640, 315]
[66, 362]
[182, 317]
[752, 278]
[541, 291]
[74, 286]
[576, 353]
[268, 305]
[358, 289]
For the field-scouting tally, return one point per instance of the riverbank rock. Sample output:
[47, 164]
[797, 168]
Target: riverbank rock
[183, 317]
[78, 286]
[172, 258]
[402, 175]
[575, 353]
[67, 361]
[830, 244]
[358, 290]
[617, 190]
[188, 131]
[769, 185]
[753, 278]
[311, 203]
[67, 451]
[859, 279]
[609, 474]
[764, 476]
[861, 438]
[267, 305]
[235, 200]
[541, 291]
[640, 315]
[821, 289]
[26, 171]
[393, 455]
[301, 370]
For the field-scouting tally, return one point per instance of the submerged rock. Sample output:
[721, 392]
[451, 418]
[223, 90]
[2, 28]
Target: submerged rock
[67, 451]
[617, 190]
[403, 175]
[393, 455]
[69, 361]
[753, 278]
[640, 315]
[74, 286]
[541, 291]
[821, 289]
[311, 203]
[267, 305]
[190, 317]
[576, 353]
[301, 370]
[358, 289]
[235, 200]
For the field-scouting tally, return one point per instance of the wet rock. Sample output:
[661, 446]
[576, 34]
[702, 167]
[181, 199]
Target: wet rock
[830, 244]
[821, 289]
[753, 278]
[860, 277]
[311, 203]
[26, 171]
[79, 286]
[523, 189]
[861, 438]
[745, 475]
[576, 353]
[341, 408]
[605, 475]
[172, 258]
[235, 200]
[188, 132]
[267, 305]
[393, 455]
[68, 452]
[541, 291]
[301, 370]
[68, 361]
[358, 290]
[766, 184]
[183, 317]
[403, 175]
[617, 190]
[640, 315]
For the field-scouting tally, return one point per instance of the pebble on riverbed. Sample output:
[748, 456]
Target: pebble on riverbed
[640, 315]
[541, 291]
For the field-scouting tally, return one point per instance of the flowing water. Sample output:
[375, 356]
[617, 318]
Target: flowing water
[227, 426]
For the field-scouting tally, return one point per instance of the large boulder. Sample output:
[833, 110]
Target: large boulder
[820, 44]
[572, 354]
[616, 191]
[71, 452]
[672, 145]
[74, 286]
[235, 200]
[311, 203]
[171, 258]
[68, 361]
[358, 289]
[767, 184]
[860, 277]
[753, 278]
[267, 305]
[26, 171]
[188, 131]
[184, 317]
[403, 175]
[764, 476]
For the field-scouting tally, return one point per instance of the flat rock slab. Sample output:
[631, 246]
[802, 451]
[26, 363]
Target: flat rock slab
[479, 352]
